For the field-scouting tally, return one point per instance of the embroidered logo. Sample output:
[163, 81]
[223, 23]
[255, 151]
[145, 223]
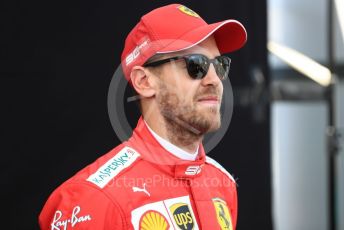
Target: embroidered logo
[177, 212]
[223, 214]
[182, 216]
[188, 11]
[112, 167]
[153, 220]
[193, 170]
[137, 189]
[136, 52]
[60, 223]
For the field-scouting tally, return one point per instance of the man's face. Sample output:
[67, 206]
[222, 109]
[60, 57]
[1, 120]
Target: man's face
[192, 104]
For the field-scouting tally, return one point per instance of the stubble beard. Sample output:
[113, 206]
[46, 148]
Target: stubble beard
[187, 123]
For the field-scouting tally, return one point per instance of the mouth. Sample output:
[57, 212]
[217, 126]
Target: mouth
[213, 100]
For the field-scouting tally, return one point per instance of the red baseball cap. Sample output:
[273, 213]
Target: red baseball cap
[174, 28]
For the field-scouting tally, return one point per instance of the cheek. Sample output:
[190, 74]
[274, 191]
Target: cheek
[180, 84]
[221, 89]
[186, 91]
[190, 93]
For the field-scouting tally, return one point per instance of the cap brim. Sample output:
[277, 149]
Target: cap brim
[230, 35]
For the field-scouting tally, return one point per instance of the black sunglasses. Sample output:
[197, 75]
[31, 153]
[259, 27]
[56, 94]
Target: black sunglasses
[198, 65]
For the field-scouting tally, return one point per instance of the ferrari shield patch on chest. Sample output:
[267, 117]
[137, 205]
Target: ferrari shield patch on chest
[223, 214]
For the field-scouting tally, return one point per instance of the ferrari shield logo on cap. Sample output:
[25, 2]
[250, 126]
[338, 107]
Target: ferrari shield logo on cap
[188, 11]
[223, 214]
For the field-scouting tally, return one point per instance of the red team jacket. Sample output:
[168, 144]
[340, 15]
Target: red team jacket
[140, 185]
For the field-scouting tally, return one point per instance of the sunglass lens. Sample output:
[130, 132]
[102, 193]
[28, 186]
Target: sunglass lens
[197, 66]
[222, 64]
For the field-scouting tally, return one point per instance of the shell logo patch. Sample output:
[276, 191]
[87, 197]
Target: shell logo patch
[188, 11]
[223, 214]
[172, 214]
[153, 220]
[182, 216]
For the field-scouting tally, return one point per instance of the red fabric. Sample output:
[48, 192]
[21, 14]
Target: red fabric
[81, 204]
[175, 27]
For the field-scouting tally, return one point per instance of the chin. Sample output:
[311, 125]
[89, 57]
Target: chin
[214, 126]
[210, 122]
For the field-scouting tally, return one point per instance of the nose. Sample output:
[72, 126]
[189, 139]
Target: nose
[211, 78]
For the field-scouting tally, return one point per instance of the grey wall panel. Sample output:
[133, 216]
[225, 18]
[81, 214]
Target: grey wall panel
[340, 162]
[299, 165]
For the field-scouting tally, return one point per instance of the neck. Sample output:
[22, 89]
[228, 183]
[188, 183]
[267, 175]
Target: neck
[176, 132]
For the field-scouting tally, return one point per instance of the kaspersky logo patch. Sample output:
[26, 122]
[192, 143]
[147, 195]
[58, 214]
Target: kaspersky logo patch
[153, 220]
[113, 167]
[223, 214]
[182, 216]
[188, 11]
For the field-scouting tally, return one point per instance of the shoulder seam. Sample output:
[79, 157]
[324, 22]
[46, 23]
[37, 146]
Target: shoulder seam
[214, 163]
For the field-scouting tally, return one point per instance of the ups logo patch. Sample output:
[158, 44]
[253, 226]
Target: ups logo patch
[182, 216]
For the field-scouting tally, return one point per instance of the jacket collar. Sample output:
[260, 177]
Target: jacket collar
[150, 149]
[175, 150]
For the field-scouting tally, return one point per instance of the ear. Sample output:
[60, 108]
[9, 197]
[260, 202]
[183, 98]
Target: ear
[142, 82]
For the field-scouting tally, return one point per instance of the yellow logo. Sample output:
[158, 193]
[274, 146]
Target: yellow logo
[223, 214]
[188, 11]
[153, 220]
[182, 216]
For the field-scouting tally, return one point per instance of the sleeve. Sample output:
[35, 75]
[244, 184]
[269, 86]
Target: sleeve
[80, 206]
[234, 206]
[230, 190]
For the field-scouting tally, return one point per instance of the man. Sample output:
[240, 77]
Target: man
[160, 178]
